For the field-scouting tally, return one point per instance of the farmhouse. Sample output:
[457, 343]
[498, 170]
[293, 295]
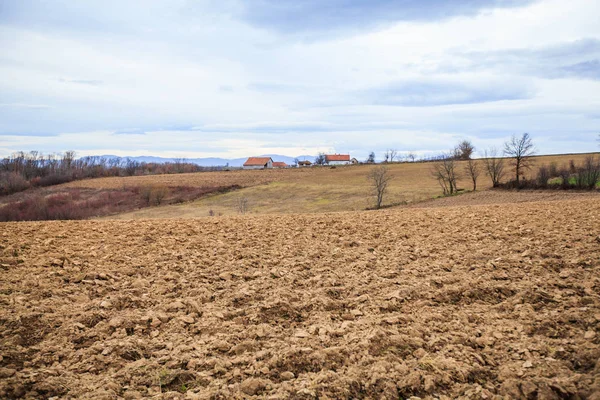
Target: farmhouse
[337, 159]
[258, 163]
[305, 163]
[279, 164]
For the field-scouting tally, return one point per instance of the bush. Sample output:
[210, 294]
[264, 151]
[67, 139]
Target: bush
[585, 177]
[543, 176]
[11, 182]
[51, 180]
[154, 194]
[588, 174]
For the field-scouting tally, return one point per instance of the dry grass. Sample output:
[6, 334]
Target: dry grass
[305, 190]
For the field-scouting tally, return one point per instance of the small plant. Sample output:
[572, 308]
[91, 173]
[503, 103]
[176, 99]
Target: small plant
[211, 213]
[242, 205]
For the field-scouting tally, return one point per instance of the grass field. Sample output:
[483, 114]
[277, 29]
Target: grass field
[304, 190]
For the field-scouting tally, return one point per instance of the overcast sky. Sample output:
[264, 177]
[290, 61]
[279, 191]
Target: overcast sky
[234, 78]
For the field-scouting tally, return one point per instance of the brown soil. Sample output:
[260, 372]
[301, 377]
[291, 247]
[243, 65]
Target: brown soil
[499, 196]
[491, 301]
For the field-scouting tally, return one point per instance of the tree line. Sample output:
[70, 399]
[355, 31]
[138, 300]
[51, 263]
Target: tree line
[22, 170]
[517, 154]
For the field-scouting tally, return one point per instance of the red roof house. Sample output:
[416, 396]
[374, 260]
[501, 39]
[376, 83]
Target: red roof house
[337, 159]
[258, 163]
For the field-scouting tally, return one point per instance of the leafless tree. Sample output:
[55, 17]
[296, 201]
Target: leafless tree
[473, 171]
[320, 159]
[390, 155]
[464, 150]
[179, 164]
[380, 178]
[160, 192]
[446, 173]
[371, 158]
[520, 149]
[411, 156]
[494, 165]
[242, 205]
[296, 161]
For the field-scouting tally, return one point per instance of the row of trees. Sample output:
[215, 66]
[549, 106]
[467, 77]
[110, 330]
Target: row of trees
[517, 153]
[519, 150]
[22, 170]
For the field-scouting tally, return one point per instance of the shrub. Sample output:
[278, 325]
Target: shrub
[588, 174]
[11, 182]
[543, 176]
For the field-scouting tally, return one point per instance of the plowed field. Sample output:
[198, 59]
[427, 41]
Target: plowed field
[488, 301]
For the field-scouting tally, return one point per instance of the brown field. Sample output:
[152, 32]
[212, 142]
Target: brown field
[305, 190]
[494, 301]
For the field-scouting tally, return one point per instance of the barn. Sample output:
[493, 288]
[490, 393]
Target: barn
[279, 164]
[337, 159]
[258, 163]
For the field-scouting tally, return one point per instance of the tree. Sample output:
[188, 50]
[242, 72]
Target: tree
[320, 159]
[296, 161]
[380, 178]
[446, 174]
[390, 155]
[371, 158]
[494, 166]
[521, 149]
[473, 170]
[411, 156]
[464, 150]
[242, 205]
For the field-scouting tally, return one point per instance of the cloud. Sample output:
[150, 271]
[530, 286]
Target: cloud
[586, 70]
[302, 16]
[25, 106]
[426, 93]
[577, 59]
[130, 131]
[414, 75]
[90, 82]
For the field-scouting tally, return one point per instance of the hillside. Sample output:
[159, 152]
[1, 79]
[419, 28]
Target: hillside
[476, 301]
[305, 190]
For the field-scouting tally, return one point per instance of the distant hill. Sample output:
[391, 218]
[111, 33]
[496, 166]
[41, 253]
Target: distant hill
[213, 162]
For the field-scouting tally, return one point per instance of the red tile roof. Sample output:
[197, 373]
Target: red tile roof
[337, 157]
[279, 164]
[257, 161]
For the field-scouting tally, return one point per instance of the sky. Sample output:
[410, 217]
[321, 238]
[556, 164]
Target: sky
[236, 78]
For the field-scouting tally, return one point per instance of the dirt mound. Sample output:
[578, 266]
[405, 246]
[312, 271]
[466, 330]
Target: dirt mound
[483, 302]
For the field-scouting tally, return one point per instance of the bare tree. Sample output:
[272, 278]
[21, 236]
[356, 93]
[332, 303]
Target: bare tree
[371, 158]
[464, 150]
[520, 149]
[320, 159]
[296, 161]
[494, 166]
[179, 164]
[390, 155]
[411, 156]
[446, 173]
[473, 170]
[242, 205]
[380, 178]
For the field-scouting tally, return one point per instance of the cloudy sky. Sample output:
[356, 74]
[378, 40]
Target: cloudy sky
[233, 78]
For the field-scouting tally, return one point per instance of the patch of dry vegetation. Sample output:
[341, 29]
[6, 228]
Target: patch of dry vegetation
[480, 301]
[309, 190]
